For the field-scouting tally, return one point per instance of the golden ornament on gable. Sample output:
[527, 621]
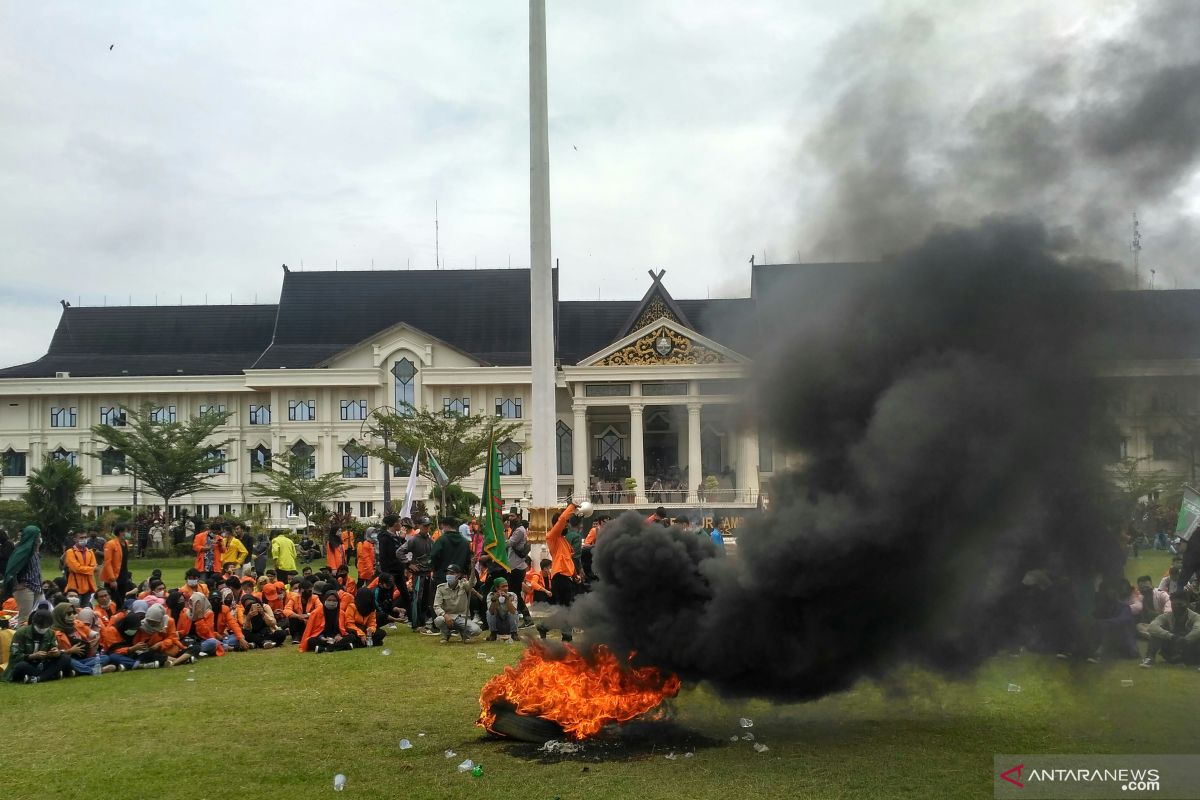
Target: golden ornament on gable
[655, 309]
[663, 346]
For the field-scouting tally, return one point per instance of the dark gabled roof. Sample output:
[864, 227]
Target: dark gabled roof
[153, 340]
[482, 312]
[656, 292]
[586, 327]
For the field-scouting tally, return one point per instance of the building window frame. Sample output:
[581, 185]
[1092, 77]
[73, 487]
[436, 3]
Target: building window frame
[511, 460]
[63, 416]
[302, 410]
[354, 410]
[456, 405]
[509, 407]
[113, 415]
[260, 414]
[564, 439]
[404, 371]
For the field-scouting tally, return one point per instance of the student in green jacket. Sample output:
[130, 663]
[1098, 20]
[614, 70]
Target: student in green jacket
[34, 653]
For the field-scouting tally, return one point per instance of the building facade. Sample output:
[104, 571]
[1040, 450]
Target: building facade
[645, 390]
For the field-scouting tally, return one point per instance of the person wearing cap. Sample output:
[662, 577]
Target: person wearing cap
[415, 553]
[452, 607]
[501, 611]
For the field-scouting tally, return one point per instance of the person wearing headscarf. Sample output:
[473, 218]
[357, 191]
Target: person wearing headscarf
[160, 635]
[35, 656]
[335, 552]
[326, 629]
[120, 640]
[195, 626]
[23, 574]
[361, 626]
[300, 608]
[78, 641]
[258, 625]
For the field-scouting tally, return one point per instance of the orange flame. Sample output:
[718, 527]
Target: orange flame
[581, 695]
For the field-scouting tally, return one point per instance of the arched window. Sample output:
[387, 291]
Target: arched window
[405, 373]
[610, 448]
[12, 463]
[510, 457]
[354, 461]
[564, 448]
[62, 454]
[302, 451]
[260, 459]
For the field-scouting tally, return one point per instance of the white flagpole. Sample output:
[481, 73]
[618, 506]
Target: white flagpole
[410, 490]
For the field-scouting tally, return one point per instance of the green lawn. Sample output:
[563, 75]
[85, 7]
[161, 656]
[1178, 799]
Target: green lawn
[279, 724]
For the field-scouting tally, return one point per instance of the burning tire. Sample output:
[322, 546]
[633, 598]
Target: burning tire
[526, 729]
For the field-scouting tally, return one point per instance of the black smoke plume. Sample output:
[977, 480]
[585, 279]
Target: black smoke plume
[950, 428]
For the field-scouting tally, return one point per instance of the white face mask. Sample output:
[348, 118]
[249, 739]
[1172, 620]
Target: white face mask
[40, 631]
[451, 581]
[193, 584]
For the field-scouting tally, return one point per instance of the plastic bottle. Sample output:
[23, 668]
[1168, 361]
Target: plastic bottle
[339, 782]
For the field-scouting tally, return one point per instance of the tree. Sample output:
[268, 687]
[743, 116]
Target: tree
[1145, 499]
[171, 458]
[458, 443]
[291, 480]
[14, 515]
[458, 500]
[52, 495]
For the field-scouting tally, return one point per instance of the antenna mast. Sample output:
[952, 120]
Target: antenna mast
[1136, 247]
[437, 249]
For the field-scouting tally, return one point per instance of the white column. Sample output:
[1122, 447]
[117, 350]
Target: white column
[637, 451]
[695, 464]
[747, 469]
[544, 472]
[579, 452]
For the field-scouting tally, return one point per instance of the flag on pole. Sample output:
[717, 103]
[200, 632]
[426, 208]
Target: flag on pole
[435, 469]
[410, 490]
[1189, 514]
[493, 525]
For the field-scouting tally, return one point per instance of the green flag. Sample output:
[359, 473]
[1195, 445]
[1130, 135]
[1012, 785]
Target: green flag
[1189, 514]
[435, 469]
[493, 525]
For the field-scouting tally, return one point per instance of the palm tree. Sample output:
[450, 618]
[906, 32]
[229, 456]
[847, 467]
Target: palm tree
[52, 495]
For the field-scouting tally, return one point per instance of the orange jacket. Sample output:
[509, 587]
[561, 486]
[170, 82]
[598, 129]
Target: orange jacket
[365, 553]
[112, 561]
[334, 556]
[188, 591]
[316, 624]
[200, 629]
[111, 637]
[167, 640]
[295, 605]
[590, 539]
[347, 541]
[200, 542]
[275, 594]
[560, 548]
[81, 570]
[358, 624]
[225, 622]
[535, 583]
[105, 613]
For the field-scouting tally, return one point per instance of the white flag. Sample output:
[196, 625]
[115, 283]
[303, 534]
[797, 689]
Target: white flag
[411, 489]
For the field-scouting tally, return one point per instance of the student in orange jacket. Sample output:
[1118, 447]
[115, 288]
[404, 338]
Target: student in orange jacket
[360, 620]
[195, 628]
[365, 559]
[227, 628]
[116, 555]
[347, 546]
[335, 554]
[274, 593]
[326, 629]
[104, 607]
[160, 635]
[562, 567]
[80, 562]
[208, 548]
[119, 640]
[299, 609]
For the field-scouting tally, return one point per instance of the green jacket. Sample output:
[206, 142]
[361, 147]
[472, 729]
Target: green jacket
[450, 548]
[25, 642]
[575, 539]
[1165, 625]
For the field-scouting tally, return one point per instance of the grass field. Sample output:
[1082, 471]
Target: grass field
[278, 724]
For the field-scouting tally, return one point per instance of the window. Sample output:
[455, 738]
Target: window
[664, 389]
[1121, 449]
[354, 461]
[510, 457]
[260, 459]
[112, 459]
[62, 454]
[405, 373]
[289, 510]
[302, 451]
[564, 448]
[343, 508]
[162, 414]
[766, 454]
[610, 448]
[112, 415]
[219, 469]
[62, 417]
[302, 410]
[226, 510]
[12, 464]
[216, 408]
[355, 410]
[260, 415]
[1167, 447]
[202, 511]
[402, 469]
[366, 508]
[508, 407]
[456, 405]
[606, 390]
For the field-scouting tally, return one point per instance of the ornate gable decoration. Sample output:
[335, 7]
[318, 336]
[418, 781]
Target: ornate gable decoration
[655, 310]
[664, 345]
[656, 304]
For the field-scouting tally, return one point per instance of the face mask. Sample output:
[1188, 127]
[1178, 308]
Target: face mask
[40, 631]
[331, 607]
[451, 581]
[160, 594]
[193, 584]
[73, 601]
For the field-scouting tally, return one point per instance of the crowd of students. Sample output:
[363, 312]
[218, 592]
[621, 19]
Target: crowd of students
[242, 595]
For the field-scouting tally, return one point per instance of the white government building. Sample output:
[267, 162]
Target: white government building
[646, 390]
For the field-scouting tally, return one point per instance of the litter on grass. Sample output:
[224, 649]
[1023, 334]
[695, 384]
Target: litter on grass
[555, 746]
[405, 744]
[466, 766]
[759, 747]
[339, 782]
[1012, 687]
[746, 722]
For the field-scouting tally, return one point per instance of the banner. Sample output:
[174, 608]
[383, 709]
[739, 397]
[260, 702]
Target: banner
[490, 509]
[1189, 514]
[435, 469]
[410, 490]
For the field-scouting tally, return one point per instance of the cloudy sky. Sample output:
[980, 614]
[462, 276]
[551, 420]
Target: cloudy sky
[182, 152]
[215, 141]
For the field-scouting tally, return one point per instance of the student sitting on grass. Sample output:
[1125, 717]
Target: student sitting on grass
[361, 621]
[258, 624]
[501, 611]
[34, 655]
[326, 629]
[1175, 634]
